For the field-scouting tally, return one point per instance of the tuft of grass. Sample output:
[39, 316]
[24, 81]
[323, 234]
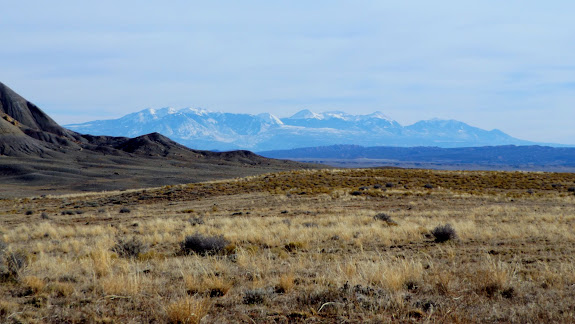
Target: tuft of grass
[286, 283]
[187, 310]
[212, 286]
[444, 233]
[203, 245]
[33, 283]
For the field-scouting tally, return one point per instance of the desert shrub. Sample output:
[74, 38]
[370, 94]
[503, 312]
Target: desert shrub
[72, 212]
[130, 248]
[44, 216]
[125, 210]
[12, 263]
[29, 212]
[444, 233]
[571, 189]
[254, 296]
[428, 186]
[356, 193]
[194, 221]
[389, 185]
[294, 246]
[385, 218]
[203, 245]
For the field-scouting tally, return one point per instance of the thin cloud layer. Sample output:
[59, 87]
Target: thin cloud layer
[492, 65]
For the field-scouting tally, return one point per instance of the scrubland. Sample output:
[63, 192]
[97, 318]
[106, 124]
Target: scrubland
[322, 246]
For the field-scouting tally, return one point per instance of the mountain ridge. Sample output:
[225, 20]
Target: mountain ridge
[204, 129]
[506, 157]
[38, 155]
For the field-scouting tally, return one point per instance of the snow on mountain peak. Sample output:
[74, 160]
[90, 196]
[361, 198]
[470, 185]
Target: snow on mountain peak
[269, 118]
[379, 115]
[196, 111]
[337, 114]
[158, 113]
[306, 114]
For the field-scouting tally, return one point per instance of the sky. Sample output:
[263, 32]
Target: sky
[507, 65]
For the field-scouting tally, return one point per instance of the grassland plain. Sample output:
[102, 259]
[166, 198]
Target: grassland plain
[300, 246]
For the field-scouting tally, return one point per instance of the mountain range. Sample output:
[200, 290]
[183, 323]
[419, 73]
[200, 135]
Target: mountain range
[39, 156]
[207, 130]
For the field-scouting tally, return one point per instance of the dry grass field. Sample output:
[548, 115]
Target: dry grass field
[323, 246]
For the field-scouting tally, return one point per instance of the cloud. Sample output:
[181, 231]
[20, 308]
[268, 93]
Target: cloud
[476, 61]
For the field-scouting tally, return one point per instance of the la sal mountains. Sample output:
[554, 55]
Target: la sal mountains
[343, 140]
[203, 129]
[38, 156]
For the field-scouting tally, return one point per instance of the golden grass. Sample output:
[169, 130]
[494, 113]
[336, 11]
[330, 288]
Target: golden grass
[318, 256]
[187, 310]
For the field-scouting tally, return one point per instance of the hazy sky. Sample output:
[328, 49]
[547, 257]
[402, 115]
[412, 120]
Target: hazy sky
[493, 64]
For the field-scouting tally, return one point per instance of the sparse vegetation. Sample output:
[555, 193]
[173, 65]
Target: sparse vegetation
[331, 258]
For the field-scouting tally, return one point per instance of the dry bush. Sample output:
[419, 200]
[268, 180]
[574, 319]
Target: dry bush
[203, 245]
[444, 233]
[13, 264]
[255, 296]
[130, 248]
[385, 219]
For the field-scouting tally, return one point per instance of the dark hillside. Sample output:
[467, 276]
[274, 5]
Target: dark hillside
[39, 156]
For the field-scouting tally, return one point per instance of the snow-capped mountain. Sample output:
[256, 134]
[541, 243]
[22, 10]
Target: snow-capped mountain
[203, 129]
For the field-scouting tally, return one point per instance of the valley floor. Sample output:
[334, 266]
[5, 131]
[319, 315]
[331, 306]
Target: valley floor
[298, 247]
